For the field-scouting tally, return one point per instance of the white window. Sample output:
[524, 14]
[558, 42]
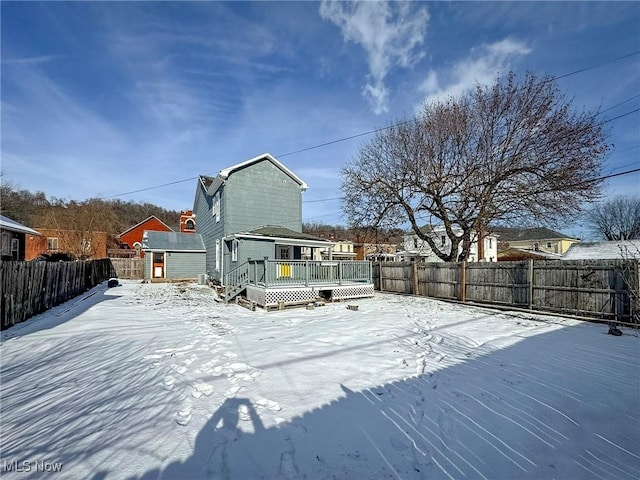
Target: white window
[548, 244]
[216, 207]
[15, 246]
[415, 243]
[490, 242]
[218, 255]
[536, 247]
[234, 250]
[52, 244]
[86, 245]
[443, 241]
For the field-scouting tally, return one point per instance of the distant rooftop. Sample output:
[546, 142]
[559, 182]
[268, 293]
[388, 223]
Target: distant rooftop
[506, 234]
[615, 249]
[8, 224]
[172, 241]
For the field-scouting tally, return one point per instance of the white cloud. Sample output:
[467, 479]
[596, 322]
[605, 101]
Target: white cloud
[480, 67]
[390, 33]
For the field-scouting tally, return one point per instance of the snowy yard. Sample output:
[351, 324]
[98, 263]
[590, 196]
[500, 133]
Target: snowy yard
[159, 381]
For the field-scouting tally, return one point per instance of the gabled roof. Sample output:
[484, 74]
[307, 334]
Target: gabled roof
[610, 250]
[143, 222]
[226, 172]
[8, 224]
[172, 241]
[523, 234]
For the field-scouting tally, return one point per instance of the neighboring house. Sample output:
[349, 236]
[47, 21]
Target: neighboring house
[131, 239]
[416, 249]
[338, 250]
[14, 238]
[375, 251]
[250, 219]
[609, 250]
[514, 254]
[173, 256]
[78, 244]
[187, 221]
[535, 239]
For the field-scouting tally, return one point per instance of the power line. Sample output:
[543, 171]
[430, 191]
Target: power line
[323, 200]
[351, 137]
[621, 103]
[620, 116]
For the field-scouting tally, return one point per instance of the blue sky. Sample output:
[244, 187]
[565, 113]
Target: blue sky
[102, 98]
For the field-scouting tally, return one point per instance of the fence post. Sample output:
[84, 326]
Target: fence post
[463, 281]
[530, 282]
[414, 277]
[380, 275]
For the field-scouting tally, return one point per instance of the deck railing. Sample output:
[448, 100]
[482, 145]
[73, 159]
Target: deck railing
[277, 273]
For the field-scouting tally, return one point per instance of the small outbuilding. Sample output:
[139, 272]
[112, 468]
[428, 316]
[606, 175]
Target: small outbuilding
[173, 256]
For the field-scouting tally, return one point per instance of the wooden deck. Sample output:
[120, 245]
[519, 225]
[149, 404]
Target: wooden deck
[270, 283]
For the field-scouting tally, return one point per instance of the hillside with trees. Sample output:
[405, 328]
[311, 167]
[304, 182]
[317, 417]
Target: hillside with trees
[36, 210]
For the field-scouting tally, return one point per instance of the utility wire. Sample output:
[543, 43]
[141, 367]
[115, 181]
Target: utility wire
[351, 137]
[621, 103]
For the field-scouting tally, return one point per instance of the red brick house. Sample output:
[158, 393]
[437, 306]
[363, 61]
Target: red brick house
[131, 239]
[81, 245]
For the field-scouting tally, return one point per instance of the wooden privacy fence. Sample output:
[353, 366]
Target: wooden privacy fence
[131, 268]
[603, 289]
[29, 288]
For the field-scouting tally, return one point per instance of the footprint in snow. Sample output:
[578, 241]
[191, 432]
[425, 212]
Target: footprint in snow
[180, 369]
[190, 360]
[268, 404]
[200, 388]
[243, 413]
[183, 415]
[168, 382]
[231, 391]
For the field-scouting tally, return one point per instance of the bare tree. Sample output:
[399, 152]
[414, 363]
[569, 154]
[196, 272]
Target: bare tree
[80, 221]
[616, 219]
[513, 151]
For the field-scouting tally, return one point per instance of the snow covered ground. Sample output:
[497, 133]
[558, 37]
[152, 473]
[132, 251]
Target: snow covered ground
[148, 381]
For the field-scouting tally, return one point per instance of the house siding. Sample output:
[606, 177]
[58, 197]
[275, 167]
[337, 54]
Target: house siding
[261, 194]
[207, 227]
[185, 264]
[147, 266]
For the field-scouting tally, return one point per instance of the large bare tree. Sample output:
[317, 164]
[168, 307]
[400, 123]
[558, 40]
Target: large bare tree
[514, 151]
[616, 219]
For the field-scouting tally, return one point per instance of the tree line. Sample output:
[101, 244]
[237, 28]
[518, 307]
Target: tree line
[36, 210]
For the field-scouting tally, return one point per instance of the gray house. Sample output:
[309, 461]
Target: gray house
[13, 236]
[250, 219]
[173, 255]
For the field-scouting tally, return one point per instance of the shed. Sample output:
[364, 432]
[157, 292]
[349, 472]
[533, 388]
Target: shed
[173, 256]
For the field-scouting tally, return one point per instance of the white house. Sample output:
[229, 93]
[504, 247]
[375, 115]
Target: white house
[338, 250]
[414, 248]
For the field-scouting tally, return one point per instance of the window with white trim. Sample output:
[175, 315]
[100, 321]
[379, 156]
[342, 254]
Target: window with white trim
[52, 244]
[218, 255]
[216, 207]
[15, 247]
[234, 250]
